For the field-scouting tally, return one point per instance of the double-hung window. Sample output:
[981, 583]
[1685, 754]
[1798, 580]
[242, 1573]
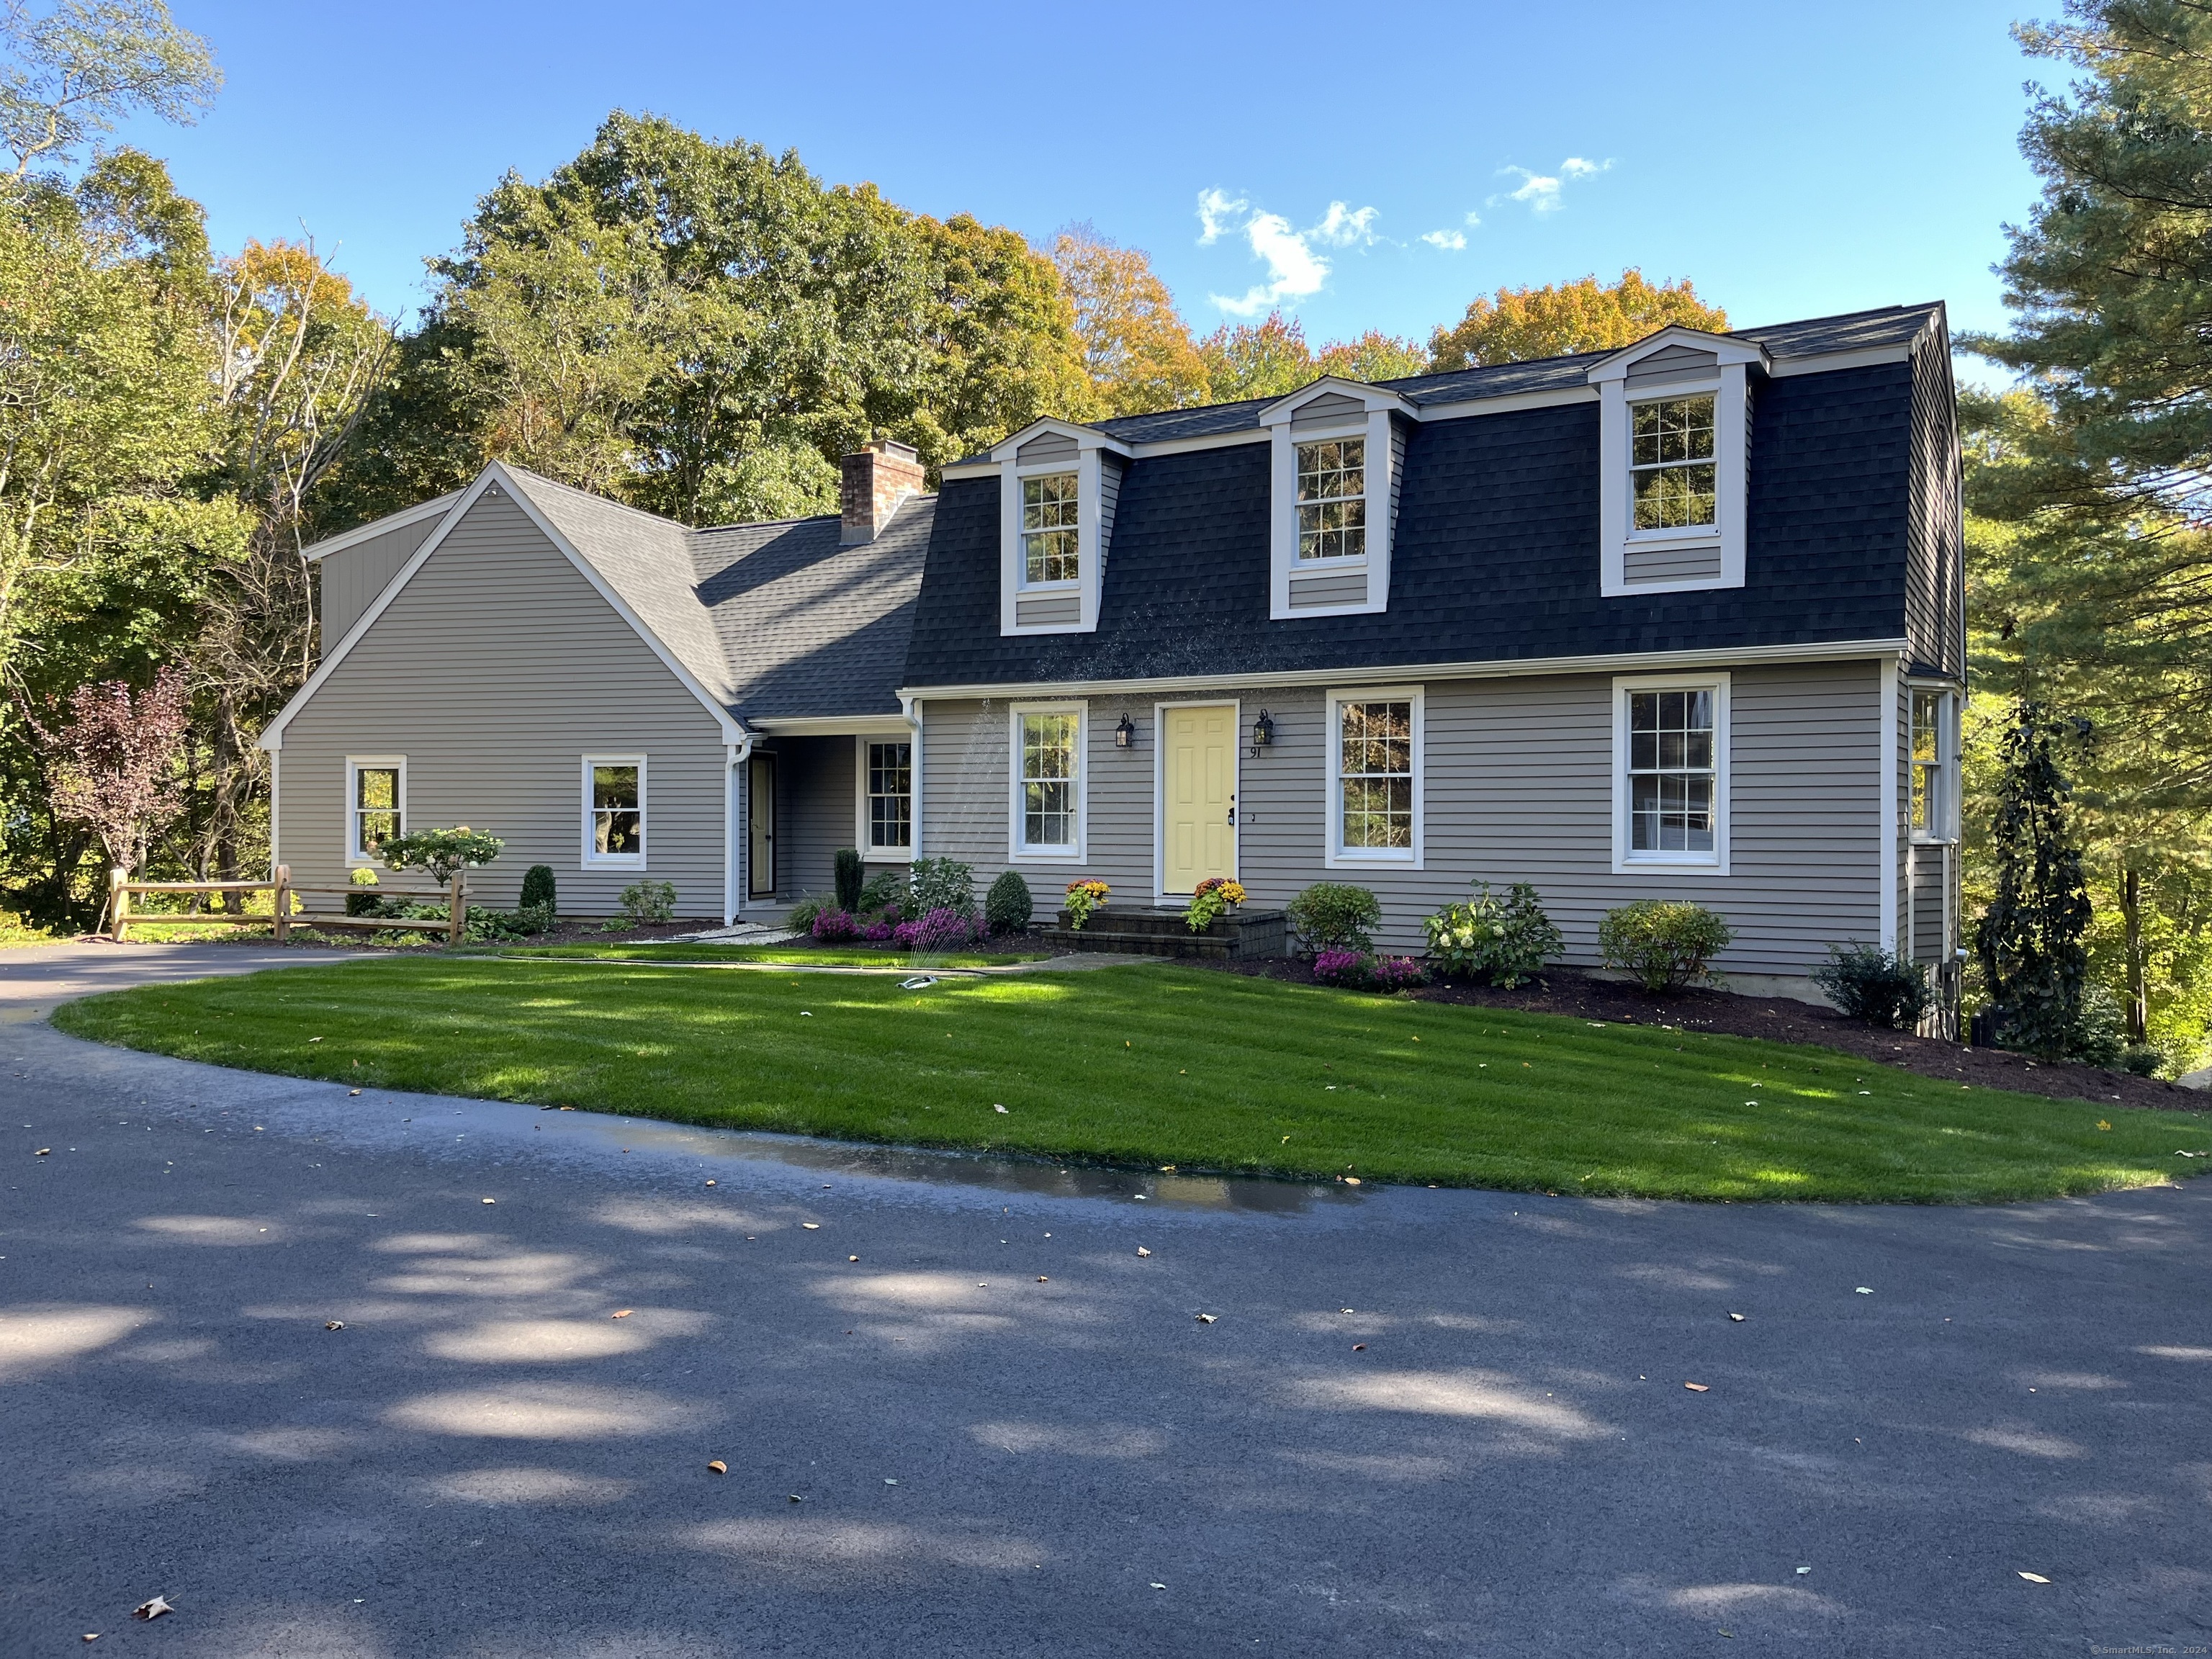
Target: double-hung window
[888, 785]
[376, 805]
[1047, 794]
[1671, 783]
[1375, 777]
[1051, 533]
[614, 810]
[1332, 498]
[1671, 465]
[1929, 812]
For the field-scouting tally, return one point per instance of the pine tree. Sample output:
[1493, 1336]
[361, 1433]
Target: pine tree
[2030, 938]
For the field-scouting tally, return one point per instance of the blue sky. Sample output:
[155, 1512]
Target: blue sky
[1364, 165]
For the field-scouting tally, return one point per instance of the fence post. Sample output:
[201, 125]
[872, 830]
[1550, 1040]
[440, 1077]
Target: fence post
[457, 922]
[283, 907]
[118, 903]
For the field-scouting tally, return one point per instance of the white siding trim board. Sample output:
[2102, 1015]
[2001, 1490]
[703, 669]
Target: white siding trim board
[588, 856]
[1160, 894]
[1017, 849]
[1335, 855]
[355, 765]
[1625, 860]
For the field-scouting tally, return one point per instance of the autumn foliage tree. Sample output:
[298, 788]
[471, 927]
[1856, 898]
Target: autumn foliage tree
[1517, 324]
[113, 763]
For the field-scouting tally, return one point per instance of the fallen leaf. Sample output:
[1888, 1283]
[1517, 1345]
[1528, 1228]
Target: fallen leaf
[1697, 1388]
[621, 1312]
[1159, 1586]
[1167, 1168]
[353, 1092]
[1737, 1318]
[1042, 1280]
[1802, 1571]
[811, 1226]
[888, 1482]
[1351, 1180]
[314, 1039]
[44, 1151]
[1205, 1319]
[334, 1325]
[160, 1605]
[91, 1636]
[2035, 1578]
[491, 1201]
[1359, 1347]
[1001, 1109]
[719, 1467]
[2101, 1124]
[1866, 1290]
[795, 1498]
[710, 1183]
[852, 1258]
[1141, 1250]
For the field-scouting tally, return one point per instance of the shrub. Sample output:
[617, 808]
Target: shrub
[2097, 1039]
[493, 925]
[1874, 985]
[830, 924]
[935, 932]
[876, 933]
[884, 887]
[799, 918]
[1330, 915]
[1362, 970]
[537, 888]
[1008, 906]
[850, 873]
[363, 904]
[1503, 941]
[2142, 1058]
[942, 885]
[648, 901]
[443, 854]
[1665, 942]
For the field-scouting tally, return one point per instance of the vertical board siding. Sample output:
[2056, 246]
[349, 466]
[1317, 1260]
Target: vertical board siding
[351, 579]
[494, 671]
[1518, 787]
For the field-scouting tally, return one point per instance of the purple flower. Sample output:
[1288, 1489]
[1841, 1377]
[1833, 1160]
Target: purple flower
[831, 924]
[876, 931]
[942, 929]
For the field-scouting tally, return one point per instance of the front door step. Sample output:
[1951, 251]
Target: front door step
[1241, 935]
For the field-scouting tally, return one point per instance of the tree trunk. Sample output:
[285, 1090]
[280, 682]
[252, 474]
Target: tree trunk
[2138, 973]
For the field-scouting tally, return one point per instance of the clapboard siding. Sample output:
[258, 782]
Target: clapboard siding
[494, 671]
[1675, 363]
[1518, 787]
[1045, 449]
[1331, 408]
[352, 578]
[1670, 564]
[1925, 894]
[1051, 608]
[815, 813]
[1348, 589]
[1111, 468]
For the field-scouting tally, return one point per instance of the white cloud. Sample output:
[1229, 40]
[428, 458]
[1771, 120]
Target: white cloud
[1541, 190]
[1451, 240]
[1295, 269]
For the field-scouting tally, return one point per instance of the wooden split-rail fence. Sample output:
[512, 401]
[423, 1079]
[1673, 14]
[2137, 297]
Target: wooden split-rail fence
[120, 888]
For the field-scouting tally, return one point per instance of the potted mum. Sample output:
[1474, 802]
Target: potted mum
[1082, 898]
[1216, 896]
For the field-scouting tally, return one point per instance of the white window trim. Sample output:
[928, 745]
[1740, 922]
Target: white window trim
[1089, 467]
[1160, 711]
[869, 852]
[1018, 850]
[1627, 862]
[1728, 384]
[355, 765]
[593, 860]
[1374, 426]
[1945, 830]
[1334, 854]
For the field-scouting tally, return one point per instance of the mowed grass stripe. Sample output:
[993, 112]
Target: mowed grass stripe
[1148, 1066]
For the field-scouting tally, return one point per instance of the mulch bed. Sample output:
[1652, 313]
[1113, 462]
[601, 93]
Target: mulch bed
[1562, 991]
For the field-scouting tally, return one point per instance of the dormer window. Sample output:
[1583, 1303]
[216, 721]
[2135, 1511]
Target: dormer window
[1338, 452]
[1672, 461]
[1333, 500]
[1051, 533]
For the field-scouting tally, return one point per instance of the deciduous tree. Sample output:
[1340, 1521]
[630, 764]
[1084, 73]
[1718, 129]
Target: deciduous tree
[1517, 324]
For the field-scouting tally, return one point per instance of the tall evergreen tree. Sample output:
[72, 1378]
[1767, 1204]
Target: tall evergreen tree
[2030, 938]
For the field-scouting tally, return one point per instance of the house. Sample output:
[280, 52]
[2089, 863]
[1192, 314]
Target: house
[1684, 620]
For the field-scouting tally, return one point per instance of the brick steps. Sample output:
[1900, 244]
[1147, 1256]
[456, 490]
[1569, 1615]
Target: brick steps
[1245, 933]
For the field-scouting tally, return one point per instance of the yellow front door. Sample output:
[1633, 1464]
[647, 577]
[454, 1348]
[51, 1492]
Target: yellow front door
[1198, 752]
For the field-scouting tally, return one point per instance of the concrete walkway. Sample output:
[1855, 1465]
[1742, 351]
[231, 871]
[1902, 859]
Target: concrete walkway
[960, 1413]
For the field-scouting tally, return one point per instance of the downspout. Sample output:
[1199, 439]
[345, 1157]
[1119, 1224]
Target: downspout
[1890, 762]
[736, 753]
[910, 706]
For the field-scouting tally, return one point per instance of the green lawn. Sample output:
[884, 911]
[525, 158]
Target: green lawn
[857, 957]
[1153, 1066]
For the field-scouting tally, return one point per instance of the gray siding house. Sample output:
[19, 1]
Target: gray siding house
[1684, 620]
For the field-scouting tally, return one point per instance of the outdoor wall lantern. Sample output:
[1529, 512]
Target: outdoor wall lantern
[1125, 734]
[1263, 733]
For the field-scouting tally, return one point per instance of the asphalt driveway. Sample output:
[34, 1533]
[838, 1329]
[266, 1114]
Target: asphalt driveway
[1419, 1422]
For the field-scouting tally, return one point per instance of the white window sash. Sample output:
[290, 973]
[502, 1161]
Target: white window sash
[593, 858]
[1335, 855]
[865, 800]
[1018, 846]
[1625, 859]
[355, 766]
[1366, 498]
[1942, 824]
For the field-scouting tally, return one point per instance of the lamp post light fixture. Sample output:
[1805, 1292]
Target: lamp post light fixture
[1125, 734]
[1263, 733]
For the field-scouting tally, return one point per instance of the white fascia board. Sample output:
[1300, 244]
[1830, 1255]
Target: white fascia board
[1726, 349]
[732, 729]
[1267, 679]
[1370, 398]
[1466, 407]
[1085, 437]
[1830, 362]
[375, 528]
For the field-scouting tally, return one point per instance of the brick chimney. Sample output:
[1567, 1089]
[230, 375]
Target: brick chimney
[876, 480]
